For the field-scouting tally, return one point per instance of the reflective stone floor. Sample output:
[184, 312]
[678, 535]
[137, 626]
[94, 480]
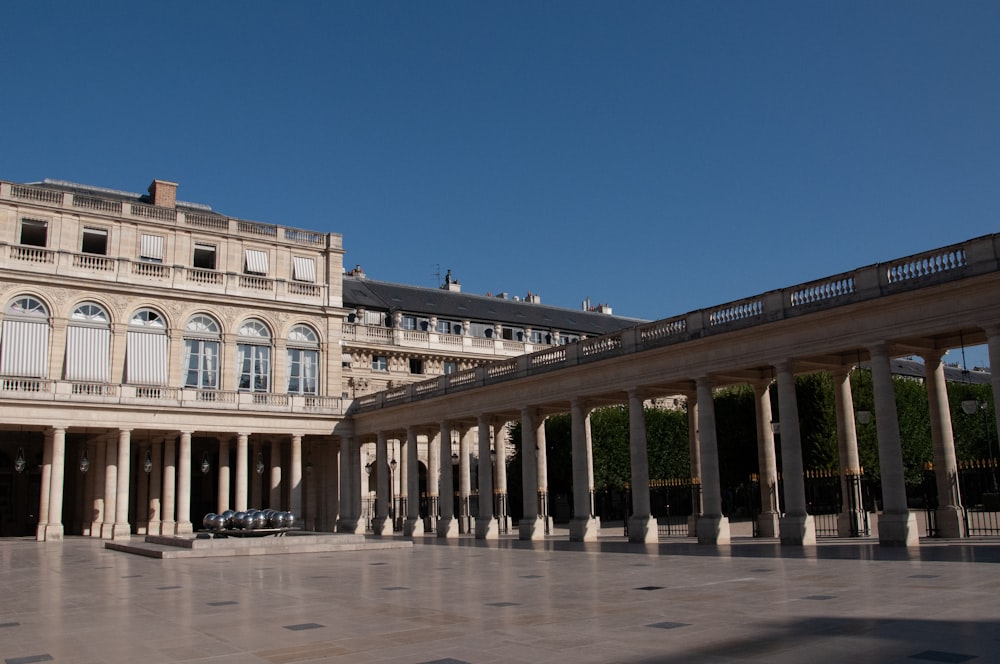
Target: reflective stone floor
[507, 601]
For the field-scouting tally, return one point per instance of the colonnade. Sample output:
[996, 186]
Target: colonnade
[789, 521]
[157, 482]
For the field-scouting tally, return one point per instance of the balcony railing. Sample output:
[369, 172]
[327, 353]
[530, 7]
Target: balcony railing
[974, 257]
[40, 389]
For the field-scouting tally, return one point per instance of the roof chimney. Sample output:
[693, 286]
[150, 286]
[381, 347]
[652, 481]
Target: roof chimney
[163, 193]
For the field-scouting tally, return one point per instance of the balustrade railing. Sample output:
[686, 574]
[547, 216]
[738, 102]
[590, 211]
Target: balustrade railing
[976, 256]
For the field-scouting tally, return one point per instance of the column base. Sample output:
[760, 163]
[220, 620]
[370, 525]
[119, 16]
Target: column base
[767, 524]
[797, 529]
[184, 528]
[487, 529]
[49, 532]
[643, 529]
[713, 530]
[531, 528]
[167, 527]
[898, 529]
[413, 527]
[584, 529]
[121, 531]
[380, 524]
[851, 524]
[95, 529]
[348, 526]
[107, 530]
[950, 521]
[447, 527]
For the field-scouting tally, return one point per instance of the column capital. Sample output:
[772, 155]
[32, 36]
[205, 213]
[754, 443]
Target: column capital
[880, 348]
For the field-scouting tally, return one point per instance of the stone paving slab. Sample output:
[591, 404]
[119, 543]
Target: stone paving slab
[468, 601]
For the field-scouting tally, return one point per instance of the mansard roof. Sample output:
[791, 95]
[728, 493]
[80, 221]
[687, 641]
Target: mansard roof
[451, 305]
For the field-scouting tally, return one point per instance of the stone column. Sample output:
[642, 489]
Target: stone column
[54, 528]
[465, 480]
[222, 497]
[413, 525]
[168, 524]
[381, 485]
[447, 525]
[642, 526]
[274, 501]
[256, 497]
[584, 526]
[949, 513]
[713, 527]
[110, 489]
[44, 497]
[486, 525]
[770, 510]
[184, 525]
[501, 511]
[153, 523]
[531, 526]
[122, 529]
[694, 447]
[347, 521]
[543, 474]
[896, 525]
[98, 468]
[851, 521]
[311, 477]
[242, 456]
[142, 492]
[295, 477]
[796, 526]
[87, 505]
[433, 479]
[330, 495]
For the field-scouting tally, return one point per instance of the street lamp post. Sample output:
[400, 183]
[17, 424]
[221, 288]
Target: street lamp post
[392, 491]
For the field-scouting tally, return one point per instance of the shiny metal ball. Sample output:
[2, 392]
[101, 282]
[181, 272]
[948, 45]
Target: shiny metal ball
[209, 520]
[240, 520]
[259, 520]
[228, 517]
[218, 523]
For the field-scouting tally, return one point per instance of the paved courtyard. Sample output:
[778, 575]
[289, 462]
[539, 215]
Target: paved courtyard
[507, 601]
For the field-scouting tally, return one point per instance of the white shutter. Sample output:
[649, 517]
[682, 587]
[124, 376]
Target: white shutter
[303, 269]
[151, 247]
[25, 349]
[146, 359]
[256, 262]
[88, 353]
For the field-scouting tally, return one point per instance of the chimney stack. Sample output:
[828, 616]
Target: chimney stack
[163, 193]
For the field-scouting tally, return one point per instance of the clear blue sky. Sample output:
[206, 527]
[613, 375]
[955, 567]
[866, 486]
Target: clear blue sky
[657, 156]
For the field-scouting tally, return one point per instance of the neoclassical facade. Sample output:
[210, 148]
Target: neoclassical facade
[160, 360]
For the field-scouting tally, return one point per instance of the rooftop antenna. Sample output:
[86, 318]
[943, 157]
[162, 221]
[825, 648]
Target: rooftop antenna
[437, 273]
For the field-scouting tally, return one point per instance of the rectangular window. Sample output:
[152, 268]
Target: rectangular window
[256, 262]
[204, 256]
[536, 337]
[34, 232]
[416, 366]
[151, 248]
[302, 367]
[304, 269]
[95, 241]
[409, 323]
[443, 327]
[450, 367]
[375, 318]
[254, 364]
[380, 363]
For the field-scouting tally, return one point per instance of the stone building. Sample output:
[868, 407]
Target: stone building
[160, 360]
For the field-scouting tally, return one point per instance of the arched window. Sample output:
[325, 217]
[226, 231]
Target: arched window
[146, 349]
[24, 338]
[253, 356]
[88, 344]
[201, 353]
[303, 360]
